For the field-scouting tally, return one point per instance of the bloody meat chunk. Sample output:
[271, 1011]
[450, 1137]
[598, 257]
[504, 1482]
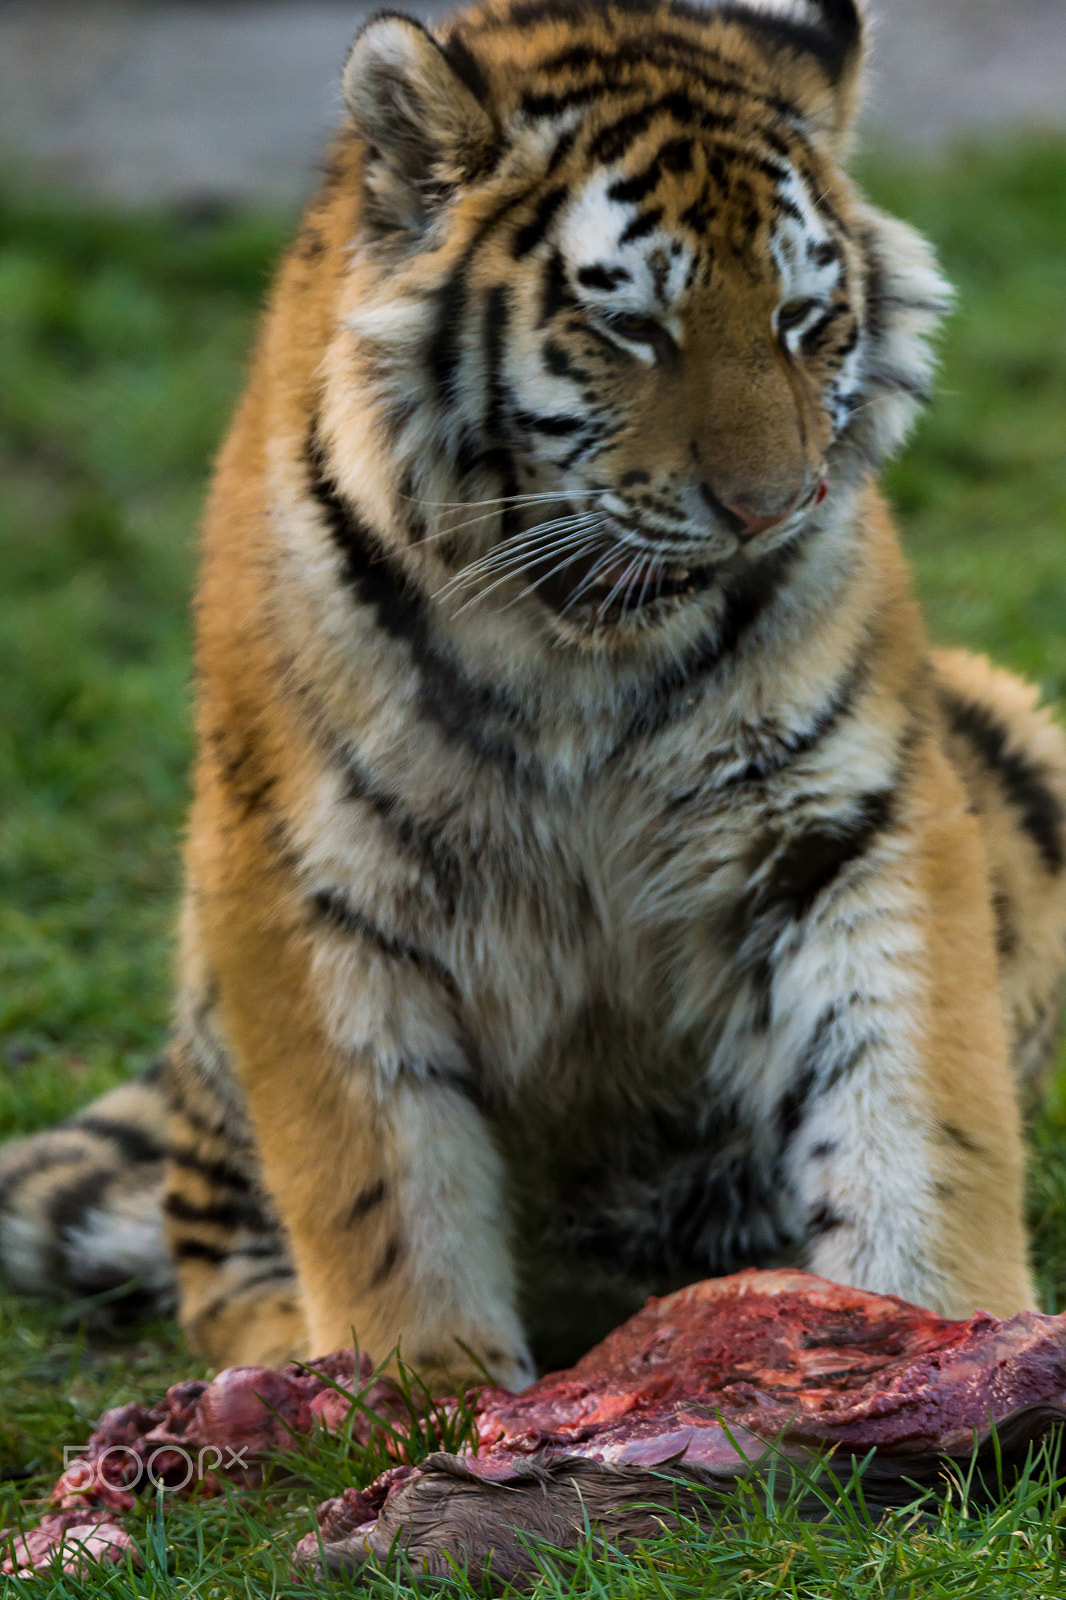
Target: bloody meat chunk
[658, 1420]
[661, 1417]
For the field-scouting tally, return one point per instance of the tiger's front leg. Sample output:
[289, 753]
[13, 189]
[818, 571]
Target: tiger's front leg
[378, 1163]
[883, 1068]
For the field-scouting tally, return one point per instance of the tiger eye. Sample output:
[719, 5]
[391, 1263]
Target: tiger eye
[793, 312]
[642, 330]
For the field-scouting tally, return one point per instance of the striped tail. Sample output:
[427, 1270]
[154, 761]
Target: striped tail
[81, 1207]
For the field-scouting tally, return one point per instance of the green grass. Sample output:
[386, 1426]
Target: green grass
[122, 343]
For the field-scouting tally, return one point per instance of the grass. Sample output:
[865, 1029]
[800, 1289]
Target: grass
[122, 344]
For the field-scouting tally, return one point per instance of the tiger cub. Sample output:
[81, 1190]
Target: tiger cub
[594, 881]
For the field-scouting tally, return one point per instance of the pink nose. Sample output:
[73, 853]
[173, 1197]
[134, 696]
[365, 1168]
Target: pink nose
[751, 521]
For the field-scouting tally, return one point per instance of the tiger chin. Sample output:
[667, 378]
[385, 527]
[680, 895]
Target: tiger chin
[595, 882]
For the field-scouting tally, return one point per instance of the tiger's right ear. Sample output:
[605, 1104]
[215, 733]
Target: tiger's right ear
[417, 109]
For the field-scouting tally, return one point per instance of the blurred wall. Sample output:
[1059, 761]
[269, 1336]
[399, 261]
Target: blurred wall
[174, 100]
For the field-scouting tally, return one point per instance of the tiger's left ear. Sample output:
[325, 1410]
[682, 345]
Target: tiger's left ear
[820, 48]
[424, 127]
[836, 44]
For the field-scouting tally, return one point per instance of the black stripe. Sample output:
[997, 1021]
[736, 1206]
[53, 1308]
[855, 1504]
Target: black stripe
[837, 706]
[1007, 940]
[600, 277]
[466, 66]
[368, 1201]
[563, 146]
[557, 361]
[220, 1213]
[843, 1065]
[198, 1250]
[450, 308]
[468, 1081]
[641, 226]
[462, 709]
[531, 233]
[178, 1103]
[281, 1274]
[219, 1173]
[240, 770]
[134, 1144]
[386, 1265]
[876, 299]
[824, 1063]
[839, 352]
[890, 380]
[556, 295]
[332, 907]
[416, 836]
[662, 50]
[951, 1133]
[495, 325]
[822, 1220]
[368, 567]
[554, 104]
[676, 156]
[801, 872]
[553, 427]
[791, 1108]
[67, 1208]
[36, 1162]
[445, 346]
[1023, 780]
[613, 142]
[813, 860]
[629, 190]
[819, 1069]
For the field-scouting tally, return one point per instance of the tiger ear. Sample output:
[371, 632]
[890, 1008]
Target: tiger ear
[840, 24]
[836, 43]
[424, 127]
[820, 47]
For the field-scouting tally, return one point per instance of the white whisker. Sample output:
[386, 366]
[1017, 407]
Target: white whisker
[571, 555]
[516, 549]
[503, 500]
[653, 564]
[605, 605]
[516, 573]
[589, 580]
[518, 561]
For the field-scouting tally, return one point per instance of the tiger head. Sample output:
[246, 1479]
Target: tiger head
[625, 326]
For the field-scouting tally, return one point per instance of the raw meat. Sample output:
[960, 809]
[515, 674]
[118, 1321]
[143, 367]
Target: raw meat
[661, 1417]
[658, 1420]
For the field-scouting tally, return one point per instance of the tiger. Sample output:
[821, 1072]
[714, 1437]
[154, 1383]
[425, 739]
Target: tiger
[595, 880]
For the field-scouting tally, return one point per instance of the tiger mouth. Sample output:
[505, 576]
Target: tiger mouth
[621, 589]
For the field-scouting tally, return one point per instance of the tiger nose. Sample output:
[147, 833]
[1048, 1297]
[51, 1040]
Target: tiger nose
[753, 522]
[743, 519]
